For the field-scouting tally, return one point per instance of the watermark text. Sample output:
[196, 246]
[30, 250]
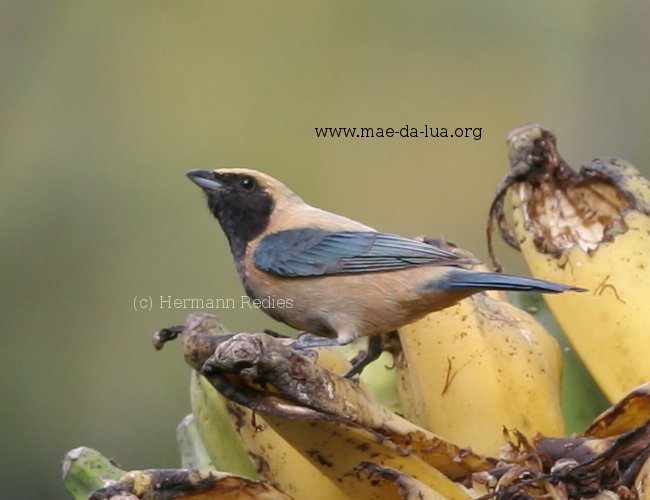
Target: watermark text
[405, 132]
[149, 302]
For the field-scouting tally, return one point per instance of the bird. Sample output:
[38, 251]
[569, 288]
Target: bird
[331, 277]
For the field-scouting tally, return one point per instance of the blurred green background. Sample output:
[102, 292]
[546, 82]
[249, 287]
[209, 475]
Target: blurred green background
[105, 105]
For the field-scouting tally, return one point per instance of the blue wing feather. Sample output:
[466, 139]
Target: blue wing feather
[316, 252]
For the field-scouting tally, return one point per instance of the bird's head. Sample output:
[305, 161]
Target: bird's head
[241, 199]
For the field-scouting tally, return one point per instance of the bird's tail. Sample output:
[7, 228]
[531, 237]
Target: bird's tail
[462, 278]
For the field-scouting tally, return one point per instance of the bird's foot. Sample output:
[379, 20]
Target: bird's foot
[364, 358]
[306, 342]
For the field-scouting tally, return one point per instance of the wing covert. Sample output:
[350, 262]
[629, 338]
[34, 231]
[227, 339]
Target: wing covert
[316, 252]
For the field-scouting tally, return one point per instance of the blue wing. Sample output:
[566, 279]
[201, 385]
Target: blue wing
[315, 252]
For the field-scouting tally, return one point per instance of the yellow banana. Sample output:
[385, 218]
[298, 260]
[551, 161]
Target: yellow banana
[591, 229]
[278, 461]
[228, 429]
[337, 448]
[409, 392]
[478, 367]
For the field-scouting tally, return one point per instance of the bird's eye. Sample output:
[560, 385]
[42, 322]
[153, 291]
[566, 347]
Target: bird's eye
[248, 183]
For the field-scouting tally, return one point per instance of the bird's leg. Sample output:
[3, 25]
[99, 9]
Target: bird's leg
[307, 341]
[374, 350]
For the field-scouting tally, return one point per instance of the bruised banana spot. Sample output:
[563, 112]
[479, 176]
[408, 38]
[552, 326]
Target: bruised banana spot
[261, 465]
[237, 415]
[317, 456]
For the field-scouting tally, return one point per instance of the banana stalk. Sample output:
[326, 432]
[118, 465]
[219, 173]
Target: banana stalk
[479, 367]
[88, 474]
[591, 229]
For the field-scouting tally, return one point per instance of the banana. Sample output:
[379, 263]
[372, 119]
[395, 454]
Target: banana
[479, 366]
[590, 229]
[631, 411]
[218, 434]
[581, 397]
[278, 461]
[291, 468]
[408, 391]
[193, 452]
[86, 470]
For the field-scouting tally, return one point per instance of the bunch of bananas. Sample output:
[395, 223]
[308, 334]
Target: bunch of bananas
[286, 426]
[465, 403]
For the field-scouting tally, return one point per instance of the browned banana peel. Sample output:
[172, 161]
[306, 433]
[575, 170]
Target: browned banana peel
[168, 484]
[598, 195]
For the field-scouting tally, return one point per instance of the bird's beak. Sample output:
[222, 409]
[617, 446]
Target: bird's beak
[205, 179]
